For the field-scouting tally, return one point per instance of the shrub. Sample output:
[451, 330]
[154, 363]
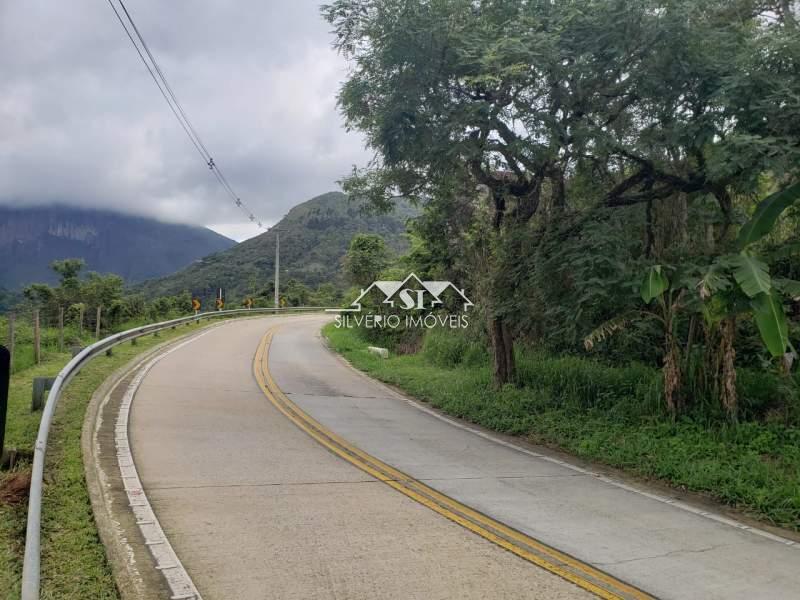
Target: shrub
[449, 348]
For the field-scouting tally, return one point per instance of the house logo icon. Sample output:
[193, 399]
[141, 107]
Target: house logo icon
[410, 294]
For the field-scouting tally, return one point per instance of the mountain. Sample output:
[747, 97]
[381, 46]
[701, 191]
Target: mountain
[135, 248]
[315, 236]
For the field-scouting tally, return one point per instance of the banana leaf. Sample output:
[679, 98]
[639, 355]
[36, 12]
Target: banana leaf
[771, 322]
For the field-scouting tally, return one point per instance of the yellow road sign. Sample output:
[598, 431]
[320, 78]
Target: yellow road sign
[220, 303]
[195, 304]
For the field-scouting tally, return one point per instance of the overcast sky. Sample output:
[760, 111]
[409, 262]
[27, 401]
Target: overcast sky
[82, 123]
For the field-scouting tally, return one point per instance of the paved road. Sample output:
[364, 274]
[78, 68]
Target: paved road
[256, 508]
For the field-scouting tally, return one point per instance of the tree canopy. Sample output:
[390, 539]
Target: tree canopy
[560, 149]
[366, 258]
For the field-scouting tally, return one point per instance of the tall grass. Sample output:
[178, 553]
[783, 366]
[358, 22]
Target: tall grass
[611, 414]
[74, 336]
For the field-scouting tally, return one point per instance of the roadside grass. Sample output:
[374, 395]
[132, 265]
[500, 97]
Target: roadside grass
[604, 414]
[73, 558]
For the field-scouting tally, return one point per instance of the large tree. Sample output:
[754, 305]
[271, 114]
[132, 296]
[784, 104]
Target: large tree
[653, 99]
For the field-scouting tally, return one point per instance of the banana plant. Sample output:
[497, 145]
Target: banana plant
[665, 300]
[741, 282]
[734, 284]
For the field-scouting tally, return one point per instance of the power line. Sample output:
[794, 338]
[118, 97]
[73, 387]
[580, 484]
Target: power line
[164, 79]
[175, 106]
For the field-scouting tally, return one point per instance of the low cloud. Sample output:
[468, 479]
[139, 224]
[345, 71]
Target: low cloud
[82, 123]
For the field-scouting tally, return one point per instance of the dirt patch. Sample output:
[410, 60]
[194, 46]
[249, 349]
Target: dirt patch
[14, 487]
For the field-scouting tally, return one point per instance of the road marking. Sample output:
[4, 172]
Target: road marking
[578, 572]
[180, 583]
[674, 502]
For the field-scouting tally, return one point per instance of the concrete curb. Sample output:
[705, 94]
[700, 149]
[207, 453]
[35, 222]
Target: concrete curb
[117, 539]
[130, 584]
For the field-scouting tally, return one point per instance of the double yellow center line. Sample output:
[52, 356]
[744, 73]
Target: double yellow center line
[581, 574]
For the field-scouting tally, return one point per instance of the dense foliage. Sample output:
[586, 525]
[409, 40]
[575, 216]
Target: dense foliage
[612, 177]
[605, 413]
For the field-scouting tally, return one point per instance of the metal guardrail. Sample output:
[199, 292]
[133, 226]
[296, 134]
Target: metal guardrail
[31, 566]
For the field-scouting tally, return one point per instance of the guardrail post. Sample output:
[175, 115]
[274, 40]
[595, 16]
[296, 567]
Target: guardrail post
[5, 377]
[31, 564]
[39, 391]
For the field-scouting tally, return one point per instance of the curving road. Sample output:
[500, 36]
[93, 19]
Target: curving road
[297, 477]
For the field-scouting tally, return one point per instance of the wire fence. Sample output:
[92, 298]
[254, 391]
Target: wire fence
[61, 331]
[31, 563]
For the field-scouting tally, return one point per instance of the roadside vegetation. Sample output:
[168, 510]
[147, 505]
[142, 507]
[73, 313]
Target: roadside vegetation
[73, 557]
[607, 414]
[615, 185]
[75, 301]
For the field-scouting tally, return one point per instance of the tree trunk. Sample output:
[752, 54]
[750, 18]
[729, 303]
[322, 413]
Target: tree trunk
[559, 191]
[649, 234]
[502, 352]
[672, 377]
[727, 353]
[788, 16]
[670, 223]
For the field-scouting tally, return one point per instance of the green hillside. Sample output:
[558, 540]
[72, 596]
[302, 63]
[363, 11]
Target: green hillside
[315, 238]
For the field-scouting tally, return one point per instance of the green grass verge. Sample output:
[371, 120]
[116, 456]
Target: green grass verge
[73, 558]
[595, 412]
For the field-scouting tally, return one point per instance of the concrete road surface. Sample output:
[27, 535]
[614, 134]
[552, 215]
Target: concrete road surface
[254, 507]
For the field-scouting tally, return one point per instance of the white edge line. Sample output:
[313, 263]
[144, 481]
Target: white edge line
[712, 516]
[167, 562]
[605, 479]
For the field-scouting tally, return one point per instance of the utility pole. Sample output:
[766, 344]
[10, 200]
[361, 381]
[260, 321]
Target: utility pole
[277, 266]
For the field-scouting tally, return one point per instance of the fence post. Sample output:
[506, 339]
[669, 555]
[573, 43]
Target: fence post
[5, 375]
[11, 341]
[97, 325]
[80, 322]
[37, 337]
[60, 328]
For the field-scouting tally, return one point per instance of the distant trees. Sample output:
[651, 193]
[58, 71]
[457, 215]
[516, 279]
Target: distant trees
[80, 296]
[69, 270]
